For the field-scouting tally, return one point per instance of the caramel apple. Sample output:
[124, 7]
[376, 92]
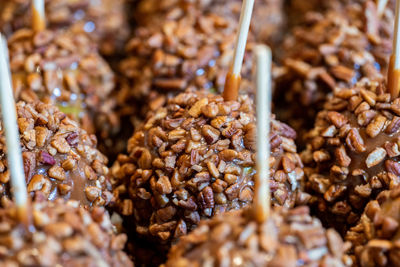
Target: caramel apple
[193, 159]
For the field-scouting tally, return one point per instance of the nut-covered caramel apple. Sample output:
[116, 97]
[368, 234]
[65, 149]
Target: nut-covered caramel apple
[61, 234]
[375, 238]
[287, 238]
[65, 69]
[105, 21]
[352, 152]
[60, 159]
[329, 50]
[187, 46]
[194, 158]
[182, 43]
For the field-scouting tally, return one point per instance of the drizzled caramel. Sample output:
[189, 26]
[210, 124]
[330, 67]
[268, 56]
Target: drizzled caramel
[231, 89]
[75, 178]
[393, 79]
[38, 21]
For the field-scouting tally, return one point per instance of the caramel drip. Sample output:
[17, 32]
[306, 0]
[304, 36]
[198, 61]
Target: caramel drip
[79, 183]
[393, 79]
[74, 178]
[231, 89]
[38, 22]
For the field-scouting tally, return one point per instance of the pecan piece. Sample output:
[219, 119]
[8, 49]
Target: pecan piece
[206, 198]
[343, 73]
[211, 135]
[341, 155]
[355, 141]
[376, 126]
[46, 158]
[57, 172]
[394, 125]
[72, 139]
[337, 119]
[393, 167]
[375, 157]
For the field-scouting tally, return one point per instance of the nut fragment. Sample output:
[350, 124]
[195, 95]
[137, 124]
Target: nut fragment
[375, 157]
[68, 164]
[92, 192]
[60, 144]
[195, 111]
[57, 172]
[37, 183]
[376, 126]
[355, 141]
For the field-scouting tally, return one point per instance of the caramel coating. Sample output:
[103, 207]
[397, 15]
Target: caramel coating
[60, 159]
[288, 238]
[194, 158]
[352, 152]
[62, 233]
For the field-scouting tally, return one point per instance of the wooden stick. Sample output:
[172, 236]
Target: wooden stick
[394, 64]
[14, 155]
[6, 54]
[381, 6]
[262, 197]
[38, 15]
[232, 82]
